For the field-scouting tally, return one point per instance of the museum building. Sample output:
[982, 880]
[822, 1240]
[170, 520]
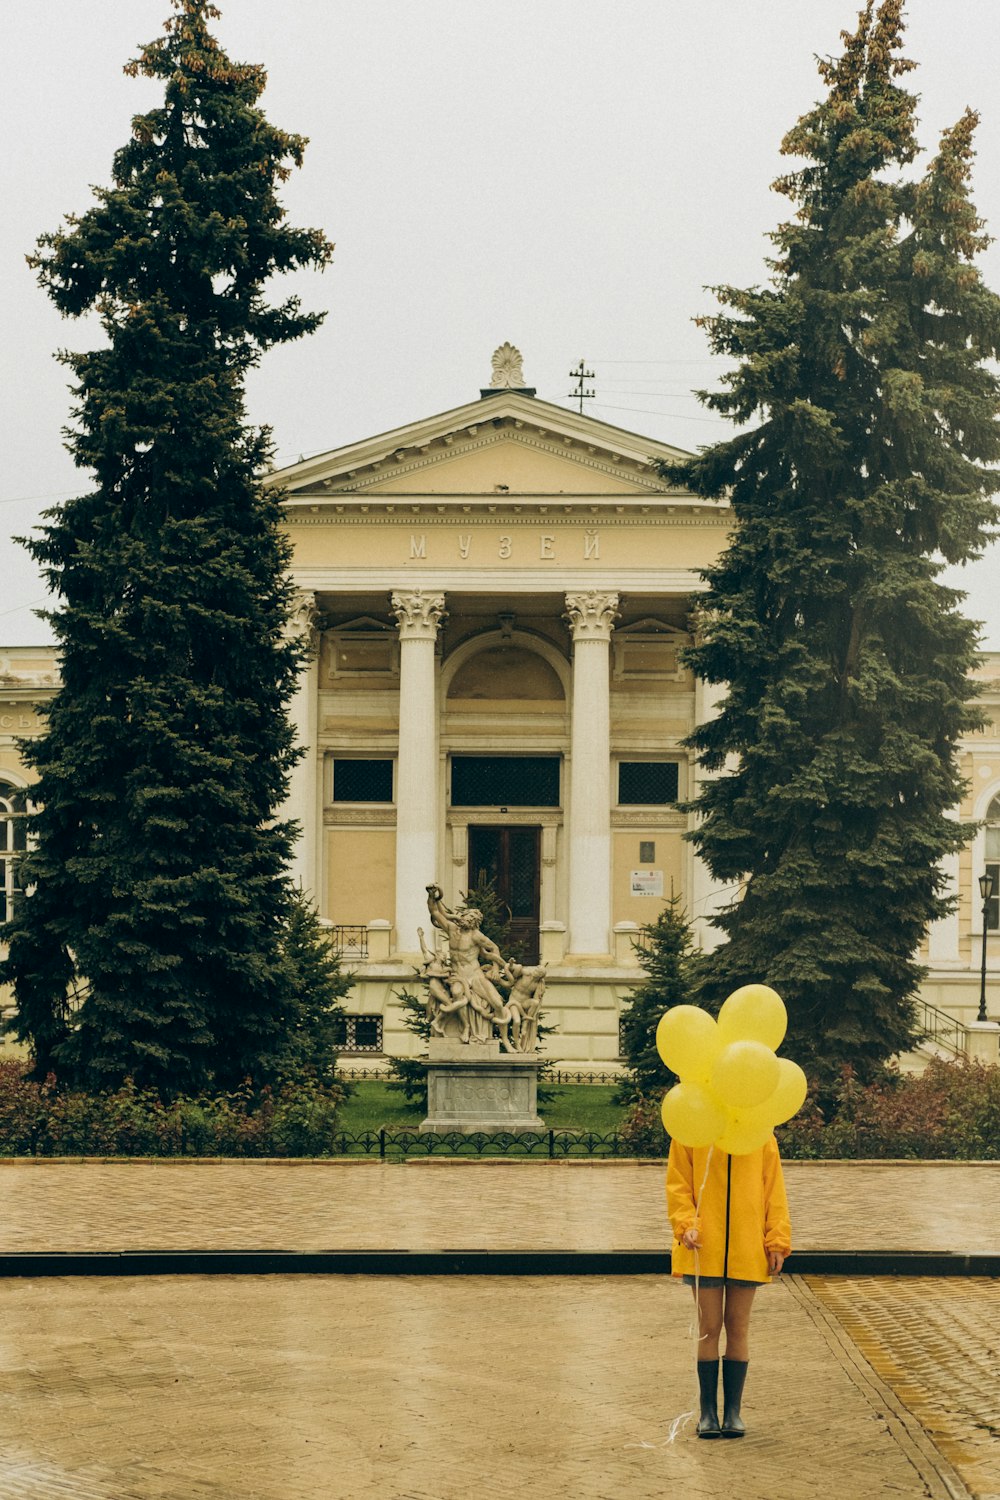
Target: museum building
[495, 601]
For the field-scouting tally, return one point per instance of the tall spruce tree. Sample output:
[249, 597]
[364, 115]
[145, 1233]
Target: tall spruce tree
[846, 657]
[152, 944]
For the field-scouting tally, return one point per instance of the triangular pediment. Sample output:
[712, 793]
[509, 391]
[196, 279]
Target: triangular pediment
[505, 445]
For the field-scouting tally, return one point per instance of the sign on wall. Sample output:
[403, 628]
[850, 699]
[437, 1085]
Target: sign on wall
[646, 882]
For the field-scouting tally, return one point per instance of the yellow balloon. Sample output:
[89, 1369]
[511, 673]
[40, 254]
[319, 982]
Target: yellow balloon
[745, 1131]
[688, 1040]
[691, 1115]
[789, 1096]
[755, 1013]
[745, 1074]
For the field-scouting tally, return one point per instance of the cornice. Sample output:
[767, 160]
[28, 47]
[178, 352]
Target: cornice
[651, 817]
[379, 576]
[465, 514]
[359, 817]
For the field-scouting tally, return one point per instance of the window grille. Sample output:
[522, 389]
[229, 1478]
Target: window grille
[362, 781]
[13, 842]
[505, 781]
[354, 1033]
[647, 783]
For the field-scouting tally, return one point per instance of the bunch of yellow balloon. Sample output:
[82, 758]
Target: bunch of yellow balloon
[732, 1090]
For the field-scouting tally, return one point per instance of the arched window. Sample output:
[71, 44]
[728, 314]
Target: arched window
[13, 841]
[993, 864]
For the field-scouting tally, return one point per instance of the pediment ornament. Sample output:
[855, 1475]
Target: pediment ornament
[508, 369]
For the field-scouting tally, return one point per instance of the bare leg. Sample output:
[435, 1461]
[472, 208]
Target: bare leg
[710, 1317]
[739, 1304]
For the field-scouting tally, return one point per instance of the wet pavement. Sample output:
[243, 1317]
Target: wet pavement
[461, 1388]
[455, 1204]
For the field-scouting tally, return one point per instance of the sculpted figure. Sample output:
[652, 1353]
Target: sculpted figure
[470, 950]
[446, 994]
[524, 1001]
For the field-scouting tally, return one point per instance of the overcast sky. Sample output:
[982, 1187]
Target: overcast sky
[566, 174]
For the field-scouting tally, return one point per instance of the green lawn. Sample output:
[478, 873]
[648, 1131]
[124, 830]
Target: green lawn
[573, 1107]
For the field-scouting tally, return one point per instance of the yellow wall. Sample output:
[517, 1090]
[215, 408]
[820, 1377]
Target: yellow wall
[537, 543]
[523, 467]
[669, 859]
[361, 872]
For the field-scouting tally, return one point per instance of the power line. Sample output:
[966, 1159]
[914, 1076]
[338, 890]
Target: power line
[16, 609]
[659, 412]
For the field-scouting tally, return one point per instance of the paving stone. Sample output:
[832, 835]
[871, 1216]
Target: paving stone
[237, 1205]
[936, 1344]
[305, 1388]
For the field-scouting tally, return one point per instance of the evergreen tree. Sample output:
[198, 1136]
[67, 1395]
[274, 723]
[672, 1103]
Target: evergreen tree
[152, 944]
[317, 987]
[846, 658]
[667, 956]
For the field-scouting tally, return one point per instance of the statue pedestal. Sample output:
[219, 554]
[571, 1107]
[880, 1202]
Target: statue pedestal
[473, 1087]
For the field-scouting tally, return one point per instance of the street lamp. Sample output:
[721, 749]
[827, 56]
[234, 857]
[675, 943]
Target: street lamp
[986, 891]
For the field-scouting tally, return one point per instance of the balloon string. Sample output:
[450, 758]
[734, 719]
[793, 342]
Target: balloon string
[696, 1321]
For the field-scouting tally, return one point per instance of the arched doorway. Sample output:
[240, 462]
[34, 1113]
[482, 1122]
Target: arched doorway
[505, 712]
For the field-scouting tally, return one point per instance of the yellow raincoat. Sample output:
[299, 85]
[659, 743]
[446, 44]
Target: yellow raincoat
[744, 1210]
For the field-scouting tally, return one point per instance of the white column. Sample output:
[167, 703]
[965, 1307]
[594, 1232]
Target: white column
[418, 614]
[591, 620]
[707, 895]
[304, 799]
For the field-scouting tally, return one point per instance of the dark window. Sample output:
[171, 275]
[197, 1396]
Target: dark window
[993, 904]
[362, 781]
[505, 781]
[993, 864]
[647, 783]
[358, 1034]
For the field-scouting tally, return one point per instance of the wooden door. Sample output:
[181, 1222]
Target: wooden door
[510, 857]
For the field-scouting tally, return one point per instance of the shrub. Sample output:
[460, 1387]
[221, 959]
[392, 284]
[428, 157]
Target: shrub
[951, 1110]
[40, 1119]
[641, 1132]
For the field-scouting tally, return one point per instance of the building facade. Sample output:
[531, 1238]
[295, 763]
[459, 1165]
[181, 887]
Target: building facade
[495, 601]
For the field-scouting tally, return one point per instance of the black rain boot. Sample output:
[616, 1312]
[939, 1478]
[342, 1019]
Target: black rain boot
[708, 1384]
[734, 1373]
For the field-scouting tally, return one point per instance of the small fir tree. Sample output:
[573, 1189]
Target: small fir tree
[317, 988]
[154, 944]
[847, 660]
[667, 956]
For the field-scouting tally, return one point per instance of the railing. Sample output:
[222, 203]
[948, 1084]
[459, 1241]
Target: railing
[556, 1145]
[349, 942]
[941, 1029]
[559, 1076]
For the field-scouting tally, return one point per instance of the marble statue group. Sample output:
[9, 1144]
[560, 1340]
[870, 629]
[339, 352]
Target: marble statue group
[473, 993]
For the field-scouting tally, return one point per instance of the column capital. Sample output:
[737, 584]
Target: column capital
[591, 615]
[418, 614]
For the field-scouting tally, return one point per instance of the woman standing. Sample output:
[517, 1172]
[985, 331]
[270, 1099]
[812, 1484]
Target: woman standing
[740, 1237]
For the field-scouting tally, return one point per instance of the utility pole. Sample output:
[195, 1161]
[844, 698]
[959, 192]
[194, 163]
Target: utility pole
[580, 376]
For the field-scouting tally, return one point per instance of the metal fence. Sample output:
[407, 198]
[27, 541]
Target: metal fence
[547, 1080]
[555, 1145]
